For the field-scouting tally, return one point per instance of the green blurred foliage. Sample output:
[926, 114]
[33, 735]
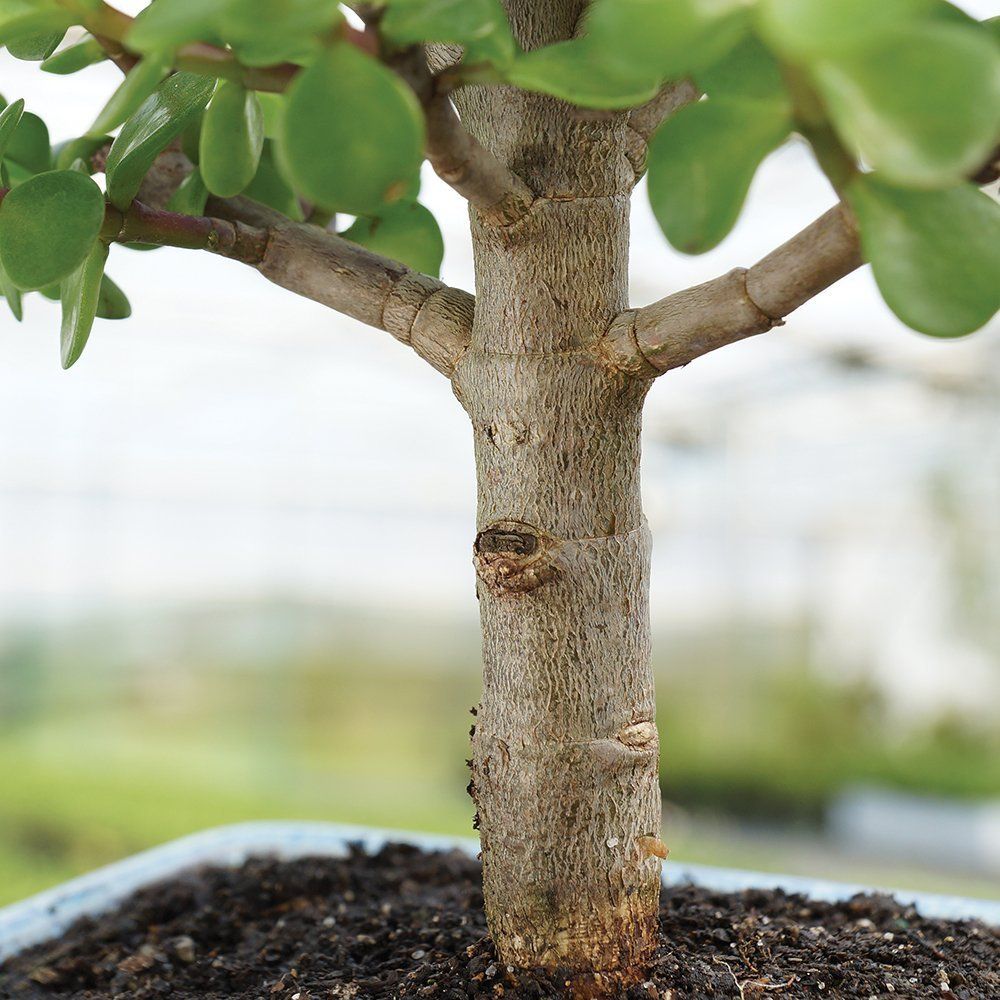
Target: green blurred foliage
[104, 754]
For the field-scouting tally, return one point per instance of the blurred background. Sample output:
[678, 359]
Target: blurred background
[235, 575]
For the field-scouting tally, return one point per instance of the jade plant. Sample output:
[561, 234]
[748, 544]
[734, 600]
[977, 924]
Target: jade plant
[288, 136]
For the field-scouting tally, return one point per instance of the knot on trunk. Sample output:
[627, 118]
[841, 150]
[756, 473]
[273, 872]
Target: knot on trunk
[513, 559]
[639, 736]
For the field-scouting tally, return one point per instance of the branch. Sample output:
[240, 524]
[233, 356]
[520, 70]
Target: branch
[109, 26]
[644, 120]
[681, 327]
[496, 192]
[432, 318]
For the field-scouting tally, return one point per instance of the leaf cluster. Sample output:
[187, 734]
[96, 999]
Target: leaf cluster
[290, 103]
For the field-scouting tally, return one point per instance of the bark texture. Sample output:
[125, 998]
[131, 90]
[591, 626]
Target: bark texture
[565, 750]
[688, 324]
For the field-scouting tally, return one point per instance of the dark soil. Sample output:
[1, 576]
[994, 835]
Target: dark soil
[407, 924]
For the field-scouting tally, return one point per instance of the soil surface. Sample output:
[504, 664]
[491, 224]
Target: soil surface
[404, 923]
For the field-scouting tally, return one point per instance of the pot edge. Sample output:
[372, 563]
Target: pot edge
[48, 913]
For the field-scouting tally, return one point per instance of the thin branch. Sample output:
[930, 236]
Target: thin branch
[644, 120]
[143, 224]
[499, 196]
[114, 50]
[497, 193]
[432, 318]
[110, 26]
[681, 327]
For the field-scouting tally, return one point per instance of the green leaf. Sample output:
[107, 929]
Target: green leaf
[169, 24]
[190, 196]
[112, 303]
[271, 189]
[272, 107]
[191, 137]
[164, 115]
[935, 254]
[574, 72]
[923, 108]
[80, 293]
[480, 26]
[81, 148]
[13, 173]
[702, 161]
[48, 225]
[263, 32]
[232, 137]
[35, 48]
[948, 13]
[407, 233]
[748, 73]
[142, 79]
[352, 136]
[630, 47]
[28, 24]
[9, 119]
[12, 294]
[29, 146]
[638, 38]
[811, 29]
[75, 57]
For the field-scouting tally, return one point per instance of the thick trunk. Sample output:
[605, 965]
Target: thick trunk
[565, 749]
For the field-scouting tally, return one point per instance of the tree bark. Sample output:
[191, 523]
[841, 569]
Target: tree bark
[565, 751]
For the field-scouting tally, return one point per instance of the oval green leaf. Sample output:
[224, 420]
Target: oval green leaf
[748, 73]
[190, 196]
[12, 294]
[232, 137]
[935, 254]
[165, 114]
[10, 117]
[271, 189]
[80, 294]
[112, 303]
[701, 164]
[480, 26]
[48, 225]
[574, 72]
[142, 79]
[923, 108]
[810, 29]
[82, 148]
[76, 57]
[272, 106]
[36, 48]
[169, 24]
[29, 146]
[263, 32]
[29, 25]
[352, 134]
[407, 233]
[642, 38]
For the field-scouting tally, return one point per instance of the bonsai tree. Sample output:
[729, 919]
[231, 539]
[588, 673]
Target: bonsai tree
[248, 128]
